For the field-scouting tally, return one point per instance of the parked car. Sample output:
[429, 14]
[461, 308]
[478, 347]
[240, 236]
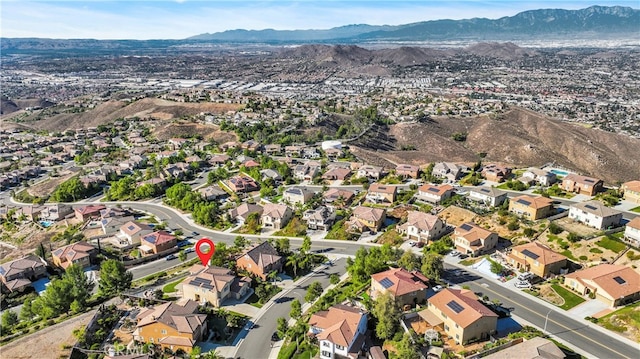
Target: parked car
[412, 243]
[189, 250]
[437, 288]
[523, 284]
[420, 244]
[454, 253]
[171, 256]
[525, 276]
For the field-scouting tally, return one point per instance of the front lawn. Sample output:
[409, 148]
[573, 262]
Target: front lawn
[295, 228]
[612, 244]
[570, 299]
[635, 209]
[171, 287]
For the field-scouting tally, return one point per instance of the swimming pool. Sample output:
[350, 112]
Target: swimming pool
[559, 172]
[46, 224]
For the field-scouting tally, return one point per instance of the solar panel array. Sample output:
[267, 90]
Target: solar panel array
[525, 202]
[485, 190]
[466, 227]
[386, 283]
[530, 254]
[455, 306]
[201, 282]
[590, 207]
[433, 189]
[619, 280]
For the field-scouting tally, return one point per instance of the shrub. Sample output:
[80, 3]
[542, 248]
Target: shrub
[572, 237]
[595, 250]
[554, 228]
[583, 258]
[513, 226]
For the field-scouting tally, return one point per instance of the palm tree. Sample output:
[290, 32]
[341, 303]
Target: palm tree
[292, 260]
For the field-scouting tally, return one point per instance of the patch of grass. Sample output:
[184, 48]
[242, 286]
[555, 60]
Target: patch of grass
[567, 253]
[391, 236]
[295, 228]
[254, 301]
[635, 209]
[629, 315]
[595, 250]
[570, 299]
[171, 287]
[338, 231]
[468, 262]
[611, 243]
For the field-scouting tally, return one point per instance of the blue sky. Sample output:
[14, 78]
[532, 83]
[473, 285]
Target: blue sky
[178, 19]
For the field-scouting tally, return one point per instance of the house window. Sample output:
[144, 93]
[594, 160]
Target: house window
[446, 327]
[457, 336]
[339, 347]
[326, 344]
[163, 331]
[326, 354]
[457, 325]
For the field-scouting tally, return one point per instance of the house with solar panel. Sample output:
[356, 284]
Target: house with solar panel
[582, 184]
[157, 242]
[134, 231]
[536, 258]
[471, 239]
[381, 194]
[531, 207]
[614, 285]
[595, 214]
[213, 285]
[406, 287]
[434, 193]
[461, 315]
[490, 196]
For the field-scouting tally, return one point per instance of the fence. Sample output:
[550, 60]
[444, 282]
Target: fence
[132, 262]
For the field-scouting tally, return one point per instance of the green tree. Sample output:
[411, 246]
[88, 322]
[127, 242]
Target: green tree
[282, 327]
[296, 309]
[407, 349]
[195, 352]
[114, 278]
[9, 319]
[496, 267]
[387, 312]
[182, 256]
[313, 292]
[240, 242]
[283, 245]
[81, 286]
[306, 245]
[55, 300]
[409, 261]
[334, 278]
[432, 266]
[26, 312]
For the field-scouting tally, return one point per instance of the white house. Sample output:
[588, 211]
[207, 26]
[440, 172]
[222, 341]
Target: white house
[538, 175]
[632, 232]
[422, 226]
[340, 331]
[595, 214]
[490, 196]
[433, 193]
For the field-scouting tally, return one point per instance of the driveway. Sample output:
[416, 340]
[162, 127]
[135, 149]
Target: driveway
[587, 308]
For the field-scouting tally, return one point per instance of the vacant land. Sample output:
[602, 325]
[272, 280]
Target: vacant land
[456, 216]
[46, 187]
[625, 321]
[49, 342]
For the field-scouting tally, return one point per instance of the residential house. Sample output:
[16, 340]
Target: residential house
[534, 348]
[631, 191]
[134, 231]
[297, 195]
[321, 218]
[242, 183]
[337, 174]
[340, 331]
[213, 285]
[31, 212]
[219, 160]
[463, 317]
[632, 232]
[250, 145]
[112, 225]
[582, 184]
[212, 193]
[273, 149]
[55, 212]
[614, 285]
[530, 207]
[537, 175]
[595, 214]
[243, 211]
[260, 260]
[307, 171]
[87, 212]
[275, 215]
[171, 325]
[381, 194]
[434, 193]
[490, 196]
[293, 150]
[536, 258]
[18, 274]
[408, 288]
[496, 173]
[337, 197]
[423, 227]
[366, 219]
[448, 170]
[273, 175]
[157, 242]
[407, 171]
[368, 171]
[79, 253]
[469, 238]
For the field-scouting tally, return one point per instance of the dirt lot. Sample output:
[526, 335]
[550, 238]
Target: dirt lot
[578, 228]
[456, 216]
[45, 188]
[47, 343]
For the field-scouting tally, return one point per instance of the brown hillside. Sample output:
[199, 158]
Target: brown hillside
[172, 130]
[519, 138]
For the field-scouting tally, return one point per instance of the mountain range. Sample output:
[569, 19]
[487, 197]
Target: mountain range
[598, 21]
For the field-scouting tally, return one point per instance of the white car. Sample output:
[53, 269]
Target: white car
[412, 243]
[525, 276]
[437, 288]
[522, 284]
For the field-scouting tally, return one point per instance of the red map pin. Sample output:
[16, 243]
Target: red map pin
[205, 249]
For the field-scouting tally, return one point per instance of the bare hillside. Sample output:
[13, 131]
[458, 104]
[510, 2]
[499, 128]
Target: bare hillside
[519, 138]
